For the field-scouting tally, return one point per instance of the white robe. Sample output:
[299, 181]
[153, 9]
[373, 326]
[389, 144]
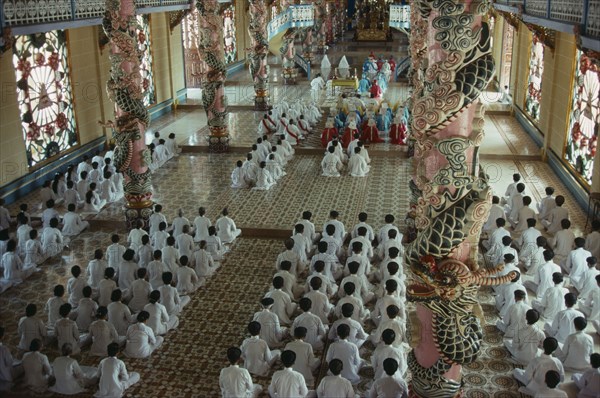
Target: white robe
[534, 374]
[37, 371]
[592, 243]
[52, 241]
[575, 353]
[227, 231]
[120, 317]
[73, 224]
[335, 386]
[306, 363]
[264, 180]
[140, 290]
[102, 333]
[288, 383]
[315, 330]
[236, 382]
[357, 166]
[331, 165]
[159, 320]
[237, 178]
[114, 379]
[576, 264]
[562, 326]
[346, 352]
[66, 331]
[258, 358]
[141, 341]
[525, 344]
[70, 377]
[30, 328]
[201, 225]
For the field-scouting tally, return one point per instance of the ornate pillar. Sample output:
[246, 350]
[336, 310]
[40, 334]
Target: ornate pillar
[288, 51]
[211, 50]
[451, 194]
[319, 27]
[124, 88]
[258, 53]
[307, 45]
[329, 23]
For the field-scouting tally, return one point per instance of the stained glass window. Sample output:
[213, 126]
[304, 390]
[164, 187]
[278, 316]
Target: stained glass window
[146, 72]
[534, 83]
[44, 95]
[229, 34]
[582, 137]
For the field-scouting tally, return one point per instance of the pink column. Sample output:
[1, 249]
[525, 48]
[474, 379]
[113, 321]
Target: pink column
[258, 53]
[452, 64]
[212, 52]
[124, 87]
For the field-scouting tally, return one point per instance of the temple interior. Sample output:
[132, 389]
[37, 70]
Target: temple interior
[538, 115]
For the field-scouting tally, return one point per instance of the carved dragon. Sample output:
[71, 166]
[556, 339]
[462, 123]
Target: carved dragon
[288, 51]
[450, 197]
[210, 50]
[124, 87]
[259, 51]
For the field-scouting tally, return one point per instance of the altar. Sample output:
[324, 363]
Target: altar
[373, 21]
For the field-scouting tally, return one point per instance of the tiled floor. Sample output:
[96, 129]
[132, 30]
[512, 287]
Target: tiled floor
[189, 362]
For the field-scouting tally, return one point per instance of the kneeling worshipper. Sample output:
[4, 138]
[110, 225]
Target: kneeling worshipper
[331, 163]
[266, 126]
[357, 165]
[292, 133]
[371, 134]
[398, 131]
[329, 133]
[349, 134]
[264, 179]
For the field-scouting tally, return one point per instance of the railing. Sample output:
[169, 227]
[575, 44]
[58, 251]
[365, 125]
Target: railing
[295, 16]
[303, 64]
[399, 16]
[585, 13]
[15, 13]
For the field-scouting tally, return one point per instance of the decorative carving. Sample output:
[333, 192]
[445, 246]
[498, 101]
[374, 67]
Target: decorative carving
[211, 50]
[258, 53]
[175, 18]
[125, 89]
[288, 53]
[6, 40]
[546, 35]
[451, 65]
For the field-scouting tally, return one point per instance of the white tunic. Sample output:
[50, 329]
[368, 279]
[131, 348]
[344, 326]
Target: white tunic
[159, 320]
[592, 243]
[283, 306]
[346, 352]
[525, 344]
[37, 371]
[288, 383]
[577, 265]
[141, 341]
[271, 331]
[227, 231]
[140, 290]
[496, 211]
[70, 378]
[562, 326]
[155, 220]
[30, 328]
[264, 180]
[236, 382]
[357, 166]
[576, 351]
[335, 386]
[534, 375]
[257, 356]
[552, 303]
[382, 352]
[185, 245]
[331, 165]
[306, 363]
[102, 334]
[114, 255]
[86, 311]
[315, 330]
[52, 241]
[201, 225]
[555, 216]
[114, 379]
[66, 331]
[120, 317]
[95, 271]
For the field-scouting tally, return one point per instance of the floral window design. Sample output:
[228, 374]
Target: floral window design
[534, 83]
[229, 34]
[44, 95]
[146, 72]
[582, 137]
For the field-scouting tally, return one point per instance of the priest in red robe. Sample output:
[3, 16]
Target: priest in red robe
[328, 133]
[398, 132]
[371, 133]
[376, 91]
[349, 134]
[392, 63]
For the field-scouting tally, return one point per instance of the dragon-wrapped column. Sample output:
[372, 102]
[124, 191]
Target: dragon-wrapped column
[125, 89]
[450, 194]
[212, 52]
[288, 53]
[258, 53]
[319, 27]
[307, 45]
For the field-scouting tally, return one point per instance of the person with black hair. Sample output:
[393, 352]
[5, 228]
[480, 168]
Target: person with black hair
[15, 272]
[519, 223]
[119, 315]
[258, 358]
[515, 203]
[554, 299]
[23, 230]
[106, 287]
[347, 352]
[283, 305]
[134, 239]
[542, 280]
[160, 322]
[360, 313]
[126, 271]
[4, 216]
[562, 325]
[592, 240]
[553, 221]
[494, 244]
[169, 297]
[576, 264]
[357, 334]
[38, 372]
[527, 242]
[52, 307]
[52, 240]
[496, 211]
[75, 286]
[115, 251]
[390, 384]
[66, 331]
[10, 368]
[101, 334]
[527, 341]
[334, 385]
[30, 327]
[288, 382]
[549, 390]
[588, 382]
[515, 315]
[86, 310]
[533, 376]
[316, 332]
[141, 341]
[113, 375]
[305, 363]
[321, 306]
[235, 381]
[575, 353]
[73, 225]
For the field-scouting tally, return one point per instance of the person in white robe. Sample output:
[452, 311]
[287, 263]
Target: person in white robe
[258, 358]
[546, 204]
[187, 279]
[141, 341]
[316, 332]
[52, 307]
[357, 334]
[119, 315]
[30, 327]
[52, 240]
[113, 375]
[102, 333]
[576, 264]
[170, 298]
[160, 155]
[273, 166]
[533, 376]
[592, 240]
[515, 203]
[331, 164]
[204, 264]
[266, 126]
[236, 382]
[36, 368]
[227, 231]
[5, 219]
[10, 368]
[389, 349]
[542, 280]
[108, 191]
[562, 325]
[283, 305]
[519, 223]
[515, 316]
[505, 294]
[348, 353]
[71, 378]
[563, 242]
[160, 322]
[178, 223]
[554, 299]
[325, 67]
[335, 385]
[589, 284]
[357, 166]
[287, 382]
[75, 286]
[238, 179]
[73, 225]
[271, 331]
[591, 305]
[526, 243]
[172, 146]
[185, 243]
[66, 331]
[555, 216]
[86, 311]
[264, 179]
[106, 287]
[575, 353]
[494, 244]
[588, 382]
[537, 257]
[527, 341]
[15, 272]
[287, 146]
[317, 84]
[23, 231]
[305, 363]
[139, 290]
[390, 385]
